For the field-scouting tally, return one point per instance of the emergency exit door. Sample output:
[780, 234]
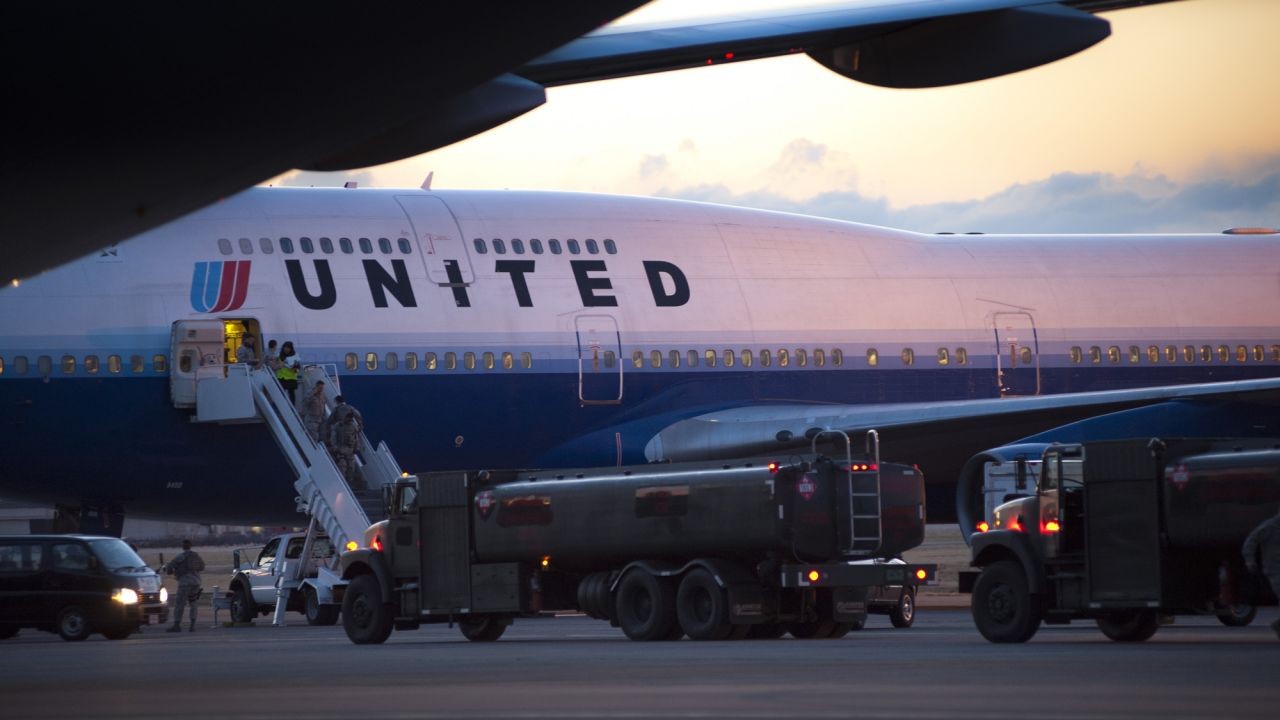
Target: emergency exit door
[439, 240]
[599, 361]
[193, 344]
[1017, 354]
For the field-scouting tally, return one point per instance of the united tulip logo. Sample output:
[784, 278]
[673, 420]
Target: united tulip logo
[219, 286]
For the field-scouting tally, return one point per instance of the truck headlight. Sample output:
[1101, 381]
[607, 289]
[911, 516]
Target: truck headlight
[164, 595]
[125, 596]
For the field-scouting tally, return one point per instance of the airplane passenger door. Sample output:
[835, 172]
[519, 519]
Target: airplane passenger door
[193, 344]
[599, 360]
[1017, 354]
[439, 240]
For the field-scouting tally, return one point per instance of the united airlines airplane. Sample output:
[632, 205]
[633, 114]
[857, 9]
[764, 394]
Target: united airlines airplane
[485, 329]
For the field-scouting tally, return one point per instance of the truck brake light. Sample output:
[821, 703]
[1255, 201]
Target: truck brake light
[377, 543]
[922, 574]
[814, 576]
[1052, 526]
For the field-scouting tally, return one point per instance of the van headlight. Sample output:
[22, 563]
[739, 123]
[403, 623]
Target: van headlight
[125, 596]
[164, 596]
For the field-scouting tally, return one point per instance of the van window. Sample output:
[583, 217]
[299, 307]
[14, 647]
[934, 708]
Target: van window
[70, 556]
[21, 556]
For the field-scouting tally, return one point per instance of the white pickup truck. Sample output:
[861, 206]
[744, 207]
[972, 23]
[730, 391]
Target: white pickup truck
[255, 584]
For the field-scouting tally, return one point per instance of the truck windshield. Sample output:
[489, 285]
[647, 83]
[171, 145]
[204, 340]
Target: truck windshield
[115, 554]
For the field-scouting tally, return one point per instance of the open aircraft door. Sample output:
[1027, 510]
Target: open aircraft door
[193, 344]
[439, 240]
[599, 360]
[1017, 354]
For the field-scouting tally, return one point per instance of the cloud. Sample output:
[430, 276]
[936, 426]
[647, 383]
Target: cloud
[687, 146]
[651, 165]
[1061, 203]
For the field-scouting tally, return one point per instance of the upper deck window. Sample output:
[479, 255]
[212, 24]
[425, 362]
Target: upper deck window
[307, 246]
[326, 246]
[345, 245]
[610, 247]
[517, 246]
[535, 246]
[384, 245]
[266, 245]
[554, 245]
[573, 246]
[499, 247]
[366, 245]
[224, 246]
[592, 247]
[286, 246]
[480, 246]
[246, 246]
[405, 247]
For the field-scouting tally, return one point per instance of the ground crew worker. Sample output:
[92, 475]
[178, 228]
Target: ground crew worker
[186, 568]
[313, 408]
[1264, 541]
[287, 372]
[247, 353]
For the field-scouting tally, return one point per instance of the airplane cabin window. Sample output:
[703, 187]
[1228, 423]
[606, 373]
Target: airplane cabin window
[655, 358]
[224, 246]
[908, 356]
[159, 363]
[246, 246]
[1135, 353]
[286, 246]
[429, 360]
[469, 360]
[135, 363]
[499, 247]
[637, 359]
[592, 247]
[391, 361]
[113, 364]
[486, 361]
[572, 244]
[91, 364]
[371, 361]
[366, 246]
[784, 358]
[693, 358]
[517, 247]
[410, 361]
[1206, 353]
[526, 360]
[267, 246]
[1275, 353]
[802, 358]
[450, 361]
[766, 359]
[20, 365]
[673, 358]
[554, 246]
[746, 356]
[326, 246]
[405, 247]
[727, 355]
[351, 362]
[1224, 353]
[1024, 355]
[1188, 353]
[1095, 354]
[708, 355]
[837, 357]
[344, 244]
[186, 361]
[873, 357]
[481, 249]
[1170, 353]
[1076, 354]
[819, 357]
[384, 245]
[1113, 354]
[1153, 353]
[1258, 353]
[610, 247]
[610, 359]
[962, 356]
[1, 365]
[944, 357]
[1242, 353]
[535, 246]
[509, 361]
[306, 245]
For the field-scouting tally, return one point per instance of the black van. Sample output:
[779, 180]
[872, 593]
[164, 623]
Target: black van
[76, 585]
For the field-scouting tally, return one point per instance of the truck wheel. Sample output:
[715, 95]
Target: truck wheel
[481, 629]
[646, 607]
[703, 607]
[904, 613]
[766, 631]
[73, 624]
[1002, 606]
[1129, 625]
[1238, 615]
[365, 617]
[242, 607]
[316, 613]
[813, 630]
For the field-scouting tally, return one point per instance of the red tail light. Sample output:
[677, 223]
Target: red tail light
[377, 543]
[773, 467]
[983, 526]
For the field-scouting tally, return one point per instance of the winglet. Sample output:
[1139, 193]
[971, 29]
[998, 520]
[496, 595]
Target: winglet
[426, 184]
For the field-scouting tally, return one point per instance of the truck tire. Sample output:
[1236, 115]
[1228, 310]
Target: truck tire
[703, 607]
[646, 607]
[1238, 615]
[1002, 605]
[1129, 625]
[903, 614]
[812, 630]
[481, 628]
[316, 613]
[243, 608]
[73, 624]
[365, 617]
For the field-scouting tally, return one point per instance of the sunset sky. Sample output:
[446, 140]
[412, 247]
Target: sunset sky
[1171, 124]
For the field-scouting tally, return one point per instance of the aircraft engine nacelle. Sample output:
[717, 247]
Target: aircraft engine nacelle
[965, 48]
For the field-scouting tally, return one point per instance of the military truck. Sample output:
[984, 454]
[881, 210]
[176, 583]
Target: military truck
[1128, 533]
[752, 548]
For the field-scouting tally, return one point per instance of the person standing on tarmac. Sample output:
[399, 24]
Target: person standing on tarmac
[1263, 544]
[313, 407]
[287, 372]
[186, 568]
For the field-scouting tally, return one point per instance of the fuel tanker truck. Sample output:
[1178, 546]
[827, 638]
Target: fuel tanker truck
[1127, 533]
[750, 548]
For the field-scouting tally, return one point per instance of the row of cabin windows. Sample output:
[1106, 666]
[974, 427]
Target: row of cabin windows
[784, 357]
[308, 246]
[1171, 354]
[444, 361]
[517, 246]
[20, 365]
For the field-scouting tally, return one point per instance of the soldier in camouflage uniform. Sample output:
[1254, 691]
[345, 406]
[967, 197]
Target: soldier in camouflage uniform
[313, 408]
[186, 568]
[344, 442]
